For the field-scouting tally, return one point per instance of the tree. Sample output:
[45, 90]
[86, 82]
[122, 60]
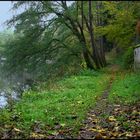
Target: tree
[121, 25]
[36, 18]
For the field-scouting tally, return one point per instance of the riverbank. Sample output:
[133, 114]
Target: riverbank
[59, 111]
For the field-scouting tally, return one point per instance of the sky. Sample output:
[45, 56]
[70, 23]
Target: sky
[5, 13]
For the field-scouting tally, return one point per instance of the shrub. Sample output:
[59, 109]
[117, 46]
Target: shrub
[128, 58]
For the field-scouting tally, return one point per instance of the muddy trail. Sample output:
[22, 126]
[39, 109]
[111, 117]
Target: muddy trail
[102, 121]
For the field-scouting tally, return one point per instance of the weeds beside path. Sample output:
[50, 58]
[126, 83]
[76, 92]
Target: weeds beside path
[110, 121]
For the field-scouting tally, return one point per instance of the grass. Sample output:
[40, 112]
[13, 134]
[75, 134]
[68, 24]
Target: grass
[65, 103]
[126, 88]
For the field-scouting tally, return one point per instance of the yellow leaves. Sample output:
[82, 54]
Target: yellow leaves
[98, 129]
[101, 130]
[36, 135]
[93, 115]
[17, 130]
[111, 118]
[116, 105]
[93, 129]
[116, 109]
[95, 120]
[128, 134]
[116, 128]
[7, 126]
[114, 134]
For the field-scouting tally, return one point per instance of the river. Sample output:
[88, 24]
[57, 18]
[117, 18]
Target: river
[13, 93]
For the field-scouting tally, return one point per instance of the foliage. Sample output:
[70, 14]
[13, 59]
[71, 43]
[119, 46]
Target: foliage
[54, 40]
[126, 88]
[121, 25]
[128, 58]
[41, 59]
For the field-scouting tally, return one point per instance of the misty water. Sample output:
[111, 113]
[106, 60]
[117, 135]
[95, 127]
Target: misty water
[13, 93]
[12, 88]
[13, 85]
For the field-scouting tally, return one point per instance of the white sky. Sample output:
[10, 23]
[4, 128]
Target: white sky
[6, 14]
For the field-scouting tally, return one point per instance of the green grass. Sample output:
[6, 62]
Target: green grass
[126, 88]
[65, 103]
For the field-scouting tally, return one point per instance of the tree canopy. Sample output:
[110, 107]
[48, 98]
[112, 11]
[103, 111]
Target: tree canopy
[63, 36]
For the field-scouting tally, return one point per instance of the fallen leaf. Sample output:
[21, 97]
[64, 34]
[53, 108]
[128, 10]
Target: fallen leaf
[95, 120]
[36, 135]
[114, 134]
[101, 130]
[17, 130]
[116, 128]
[98, 136]
[128, 134]
[111, 118]
[93, 129]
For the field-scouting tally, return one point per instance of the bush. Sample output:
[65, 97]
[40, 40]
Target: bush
[128, 58]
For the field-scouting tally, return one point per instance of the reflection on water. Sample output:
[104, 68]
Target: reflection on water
[3, 101]
[15, 94]
[13, 85]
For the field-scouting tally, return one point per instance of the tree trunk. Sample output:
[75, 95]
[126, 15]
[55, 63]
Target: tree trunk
[89, 64]
[94, 48]
[100, 40]
[78, 31]
[87, 59]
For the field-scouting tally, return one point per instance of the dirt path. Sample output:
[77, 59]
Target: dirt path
[101, 121]
[101, 108]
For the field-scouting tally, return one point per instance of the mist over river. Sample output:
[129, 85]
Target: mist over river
[12, 87]
[11, 93]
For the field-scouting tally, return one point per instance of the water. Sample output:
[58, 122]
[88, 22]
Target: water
[14, 94]
[3, 101]
[12, 86]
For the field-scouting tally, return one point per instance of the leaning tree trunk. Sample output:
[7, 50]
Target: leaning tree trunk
[92, 59]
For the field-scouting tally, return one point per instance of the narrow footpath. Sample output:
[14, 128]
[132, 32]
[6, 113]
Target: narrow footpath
[101, 122]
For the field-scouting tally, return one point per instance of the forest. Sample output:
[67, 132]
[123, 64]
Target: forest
[71, 70]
